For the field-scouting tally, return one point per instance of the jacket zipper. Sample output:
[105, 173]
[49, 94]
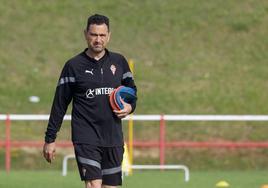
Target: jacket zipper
[101, 75]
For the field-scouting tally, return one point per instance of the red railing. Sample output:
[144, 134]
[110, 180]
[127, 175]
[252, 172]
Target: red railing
[161, 143]
[8, 144]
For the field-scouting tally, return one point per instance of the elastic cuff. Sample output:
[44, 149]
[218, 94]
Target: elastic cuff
[133, 106]
[49, 140]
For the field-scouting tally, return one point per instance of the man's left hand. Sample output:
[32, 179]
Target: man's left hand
[125, 111]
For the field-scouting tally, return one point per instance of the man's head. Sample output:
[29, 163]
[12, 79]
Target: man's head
[97, 33]
[98, 20]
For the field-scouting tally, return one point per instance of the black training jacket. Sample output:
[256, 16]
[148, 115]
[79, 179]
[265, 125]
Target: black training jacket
[87, 83]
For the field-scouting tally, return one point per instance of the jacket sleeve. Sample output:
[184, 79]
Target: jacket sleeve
[62, 99]
[128, 80]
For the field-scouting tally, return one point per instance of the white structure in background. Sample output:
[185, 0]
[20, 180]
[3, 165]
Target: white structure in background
[137, 167]
[34, 99]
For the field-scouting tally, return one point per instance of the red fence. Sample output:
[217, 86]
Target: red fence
[161, 144]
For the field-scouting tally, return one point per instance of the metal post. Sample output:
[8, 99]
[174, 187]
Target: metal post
[130, 124]
[162, 140]
[130, 141]
[8, 145]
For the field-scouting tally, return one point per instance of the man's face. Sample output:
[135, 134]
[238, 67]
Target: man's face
[97, 37]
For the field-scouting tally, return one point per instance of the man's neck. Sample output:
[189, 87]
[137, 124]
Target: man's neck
[94, 55]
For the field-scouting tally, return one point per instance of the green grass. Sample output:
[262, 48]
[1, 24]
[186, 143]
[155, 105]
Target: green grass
[140, 179]
[191, 57]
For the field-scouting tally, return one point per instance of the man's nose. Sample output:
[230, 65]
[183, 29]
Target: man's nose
[98, 39]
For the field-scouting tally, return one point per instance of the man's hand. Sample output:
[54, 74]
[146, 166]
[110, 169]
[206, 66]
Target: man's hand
[125, 111]
[49, 151]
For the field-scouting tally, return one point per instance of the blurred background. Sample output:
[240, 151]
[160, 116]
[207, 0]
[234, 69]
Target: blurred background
[190, 57]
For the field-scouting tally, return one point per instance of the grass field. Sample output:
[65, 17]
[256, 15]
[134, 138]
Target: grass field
[196, 56]
[191, 57]
[140, 179]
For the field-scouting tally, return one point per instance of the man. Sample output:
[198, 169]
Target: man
[88, 79]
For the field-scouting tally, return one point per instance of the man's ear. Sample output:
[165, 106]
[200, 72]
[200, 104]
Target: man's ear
[109, 35]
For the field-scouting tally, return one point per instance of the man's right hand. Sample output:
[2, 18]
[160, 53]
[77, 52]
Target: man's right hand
[49, 151]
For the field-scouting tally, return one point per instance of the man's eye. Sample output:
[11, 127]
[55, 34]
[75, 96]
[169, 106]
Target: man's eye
[95, 35]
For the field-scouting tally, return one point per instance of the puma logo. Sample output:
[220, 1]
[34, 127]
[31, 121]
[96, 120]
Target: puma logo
[89, 71]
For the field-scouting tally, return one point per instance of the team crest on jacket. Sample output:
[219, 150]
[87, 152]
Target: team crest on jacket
[113, 69]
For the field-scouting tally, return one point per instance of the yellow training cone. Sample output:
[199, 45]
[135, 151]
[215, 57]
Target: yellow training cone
[222, 184]
[264, 186]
